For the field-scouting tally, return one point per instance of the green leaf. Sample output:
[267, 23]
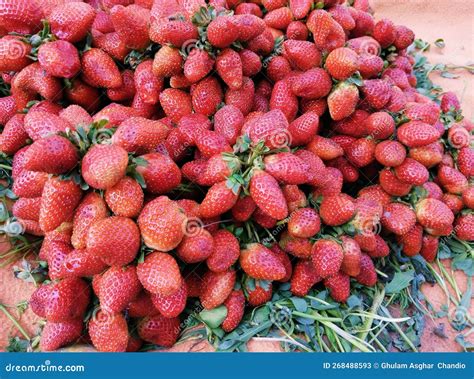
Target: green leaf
[400, 281]
[214, 317]
[300, 304]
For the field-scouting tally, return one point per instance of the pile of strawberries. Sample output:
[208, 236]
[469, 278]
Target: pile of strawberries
[177, 149]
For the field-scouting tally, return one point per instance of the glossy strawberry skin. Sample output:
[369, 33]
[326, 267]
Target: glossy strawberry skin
[225, 253]
[260, 262]
[327, 257]
[160, 274]
[159, 330]
[109, 332]
[304, 277]
[216, 287]
[71, 21]
[267, 194]
[59, 334]
[171, 306]
[235, 305]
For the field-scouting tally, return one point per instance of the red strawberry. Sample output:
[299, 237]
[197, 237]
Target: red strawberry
[300, 8]
[342, 100]
[59, 58]
[104, 165]
[327, 33]
[118, 286]
[271, 5]
[159, 274]
[370, 66]
[337, 210]
[81, 263]
[284, 100]
[411, 241]
[361, 152]
[250, 26]
[342, 15]
[352, 255]
[376, 92]
[190, 127]
[218, 200]
[83, 95]
[464, 227]
[216, 288]
[304, 277]
[174, 32]
[160, 173]
[28, 209]
[175, 103]
[71, 21]
[172, 305]
[108, 76]
[267, 194]
[304, 223]
[59, 334]
[427, 112]
[412, 172]
[279, 18]
[342, 63]
[338, 286]
[263, 44]
[434, 215]
[465, 161]
[385, 32]
[196, 246]
[59, 199]
[416, 134]
[278, 68]
[162, 224]
[13, 54]
[260, 262]
[251, 63]
[270, 127]
[167, 62]
[313, 84]
[225, 253]
[228, 121]
[148, 86]
[207, 96]
[287, 168]
[451, 179]
[197, 65]
[229, 67]
[29, 183]
[259, 293]
[468, 197]
[454, 202]
[398, 218]
[247, 8]
[242, 98]
[379, 125]
[118, 251]
[131, 24]
[390, 153]
[302, 55]
[327, 257]
[325, 148]
[403, 37]
[297, 30]
[235, 305]
[61, 301]
[41, 124]
[125, 198]
[392, 185]
[113, 45]
[367, 275]
[14, 135]
[159, 330]
[243, 208]
[142, 306]
[429, 247]
[263, 219]
[109, 332]
[20, 16]
[450, 102]
[303, 129]
[316, 168]
[222, 31]
[376, 193]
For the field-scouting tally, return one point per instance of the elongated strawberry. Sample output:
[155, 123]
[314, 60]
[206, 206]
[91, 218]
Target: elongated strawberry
[302, 55]
[71, 21]
[338, 286]
[160, 173]
[125, 198]
[392, 185]
[452, 180]
[367, 275]
[412, 172]
[434, 215]
[235, 305]
[303, 129]
[327, 33]
[14, 135]
[284, 100]
[148, 86]
[230, 69]
[175, 103]
[108, 331]
[342, 63]
[206, 96]
[225, 253]
[41, 124]
[242, 98]
[167, 62]
[174, 32]
[162, 224]
[222, 31]
[216, 287]
[267, 194]
[250, 26]
[287, 168]
[312, 84]
[260, 262]
[337, 209]
[398, 218]
[108, 76]
[343, 100]
[131, 23]
[304, 277]
[197, 65]
[228, 121]
[79, 263]
[352, 255]
[159, 330]
[327, 257]
[304, 223]
[219, 199]
[58, 334]
[171, 306]
[416, 134]
[160, 274]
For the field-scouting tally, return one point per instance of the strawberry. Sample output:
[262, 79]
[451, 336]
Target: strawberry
[287, 168]
[396, 76]
[342, 63]
[327, 256]
[147, 85]
[108, 76]
[297, 30]
[76, 115]
[451, 179]
[304, 128]
[416, 134]
[118, 286]
[71, 21]
[259, 293]
[14, 135]
[159, 330]
[331, 183]
[59, 199]
[27, 208]
[197, 65]
[392, 185]
[370, 66]
[434, 215]
[271, 5]
[278, 18]
[390, 153]
[228, 122]
[300, 8]
[235, 305]
[263, 44]
[379, 125]
[267, 194]
[367, 275]
[429, 247]
[433, 190]
[216, 288]
[284, 100]
[247, 8]
[259, 262]
[175, 103]
[263, 219]
[159, 274]
[59, 334]
[304, 223]
[172, 305]
[61, 301]
[125, 198]
[242, 98]
[376, 193]
[142, 306]
[219, 199]
[316, 168]
[338, 286]
[167, 62]
[426, 112]
[243, 208]
[54, 155]
[412, 172]
[81, 263]
[342, 100]
[464, 227]
[352, 255]
[458, 136]
[337, 209]
[251, 63]
[411, 241]
[403, 37]
[302, 55]
[13, 54]
[29, 184]
[222, 31]
[109, 332]
[398, 218]
[83, 95]
[304, 277]
[270, 127]
[327, 33]
[450, 102]
[34, 80]
[230, 68]
[324, 148]
[384, 32]
[207, 96]
[174, 32]
[361, 152]
[278, 68]
[131, 23]
[342, 15]
[190, 127]
[465, 161]
[56, 252]
[59, 58]
[468, 197]
[160, 173]
[113, 45]
[41, 124]
[313, 84]
[250, 26]
[376, 92]
[196, 246]
[226, 251]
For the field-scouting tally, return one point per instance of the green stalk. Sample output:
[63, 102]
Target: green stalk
[378, 298]
[15, 322]
[400, 331]
[316, 316]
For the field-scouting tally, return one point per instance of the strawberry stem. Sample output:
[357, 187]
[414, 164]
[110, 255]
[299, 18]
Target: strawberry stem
[14, 321]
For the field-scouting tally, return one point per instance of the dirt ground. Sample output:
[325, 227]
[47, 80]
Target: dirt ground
[452, 20]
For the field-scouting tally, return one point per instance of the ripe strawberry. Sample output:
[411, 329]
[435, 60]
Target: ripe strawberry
[264, 43]
[429, 248]
[468, 197]
[109, 332]
[284, 100]
[271, 5]
[312, 84]
[342, 63]
[196, 246]
[113, 45]
[304, 277]
[142, 306]
[175, 103]
[327, 33]
[250, 26]
[451, 179]
[216, 288]
[207, 96]
[251, 63]
[108, 76]
[242, 98]
[160, 173]
[172, 305]
[33, 80]
[118, 286]
[243, 208]
[390, 153]
[342, 100]
[20, 16]
[337, 210]
[412, 172]
[131, 23]
[82, 94]
[298, 247]
[225, 253]
[159, 330]
[159, 274]
[427, 112]
[71, 21]
[167, 62]
[327, 256]
[403, 37]
[14, 135]
[247, 8]
[28, 209]
[367, 275]
[465, 161]
[352, 255]
[13, 54]
[304, 223]
[270, 127]
[59, 199]
[304, 128]
[411, 241]
[162, 224]
[59, 334]
[259, 262]
[379, 125]
[229, 68]
[376, 92]
[464, 227]
[338, 286]
[416, 134]
[279, 18]
[324, 148]
[222, 31]
[76, 116]
[267, 194]
[376, 193]
[174, 32]
[125, 198]
[228, 122]
[450, 102]
[392, 185]
[41, 124]
[197, 65]
[61, 301]
[148, 86]
[398, 218]
[434, 215]
[297, 30]
[370, 66]
[287, 168]
[59, 58]
[218, 200]
[361, 152]
[302, 55]
[104, 165]
[384, 32]
[259, 293]
[343, 16]
[330, 184]
[235, 305]
[80, 263]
